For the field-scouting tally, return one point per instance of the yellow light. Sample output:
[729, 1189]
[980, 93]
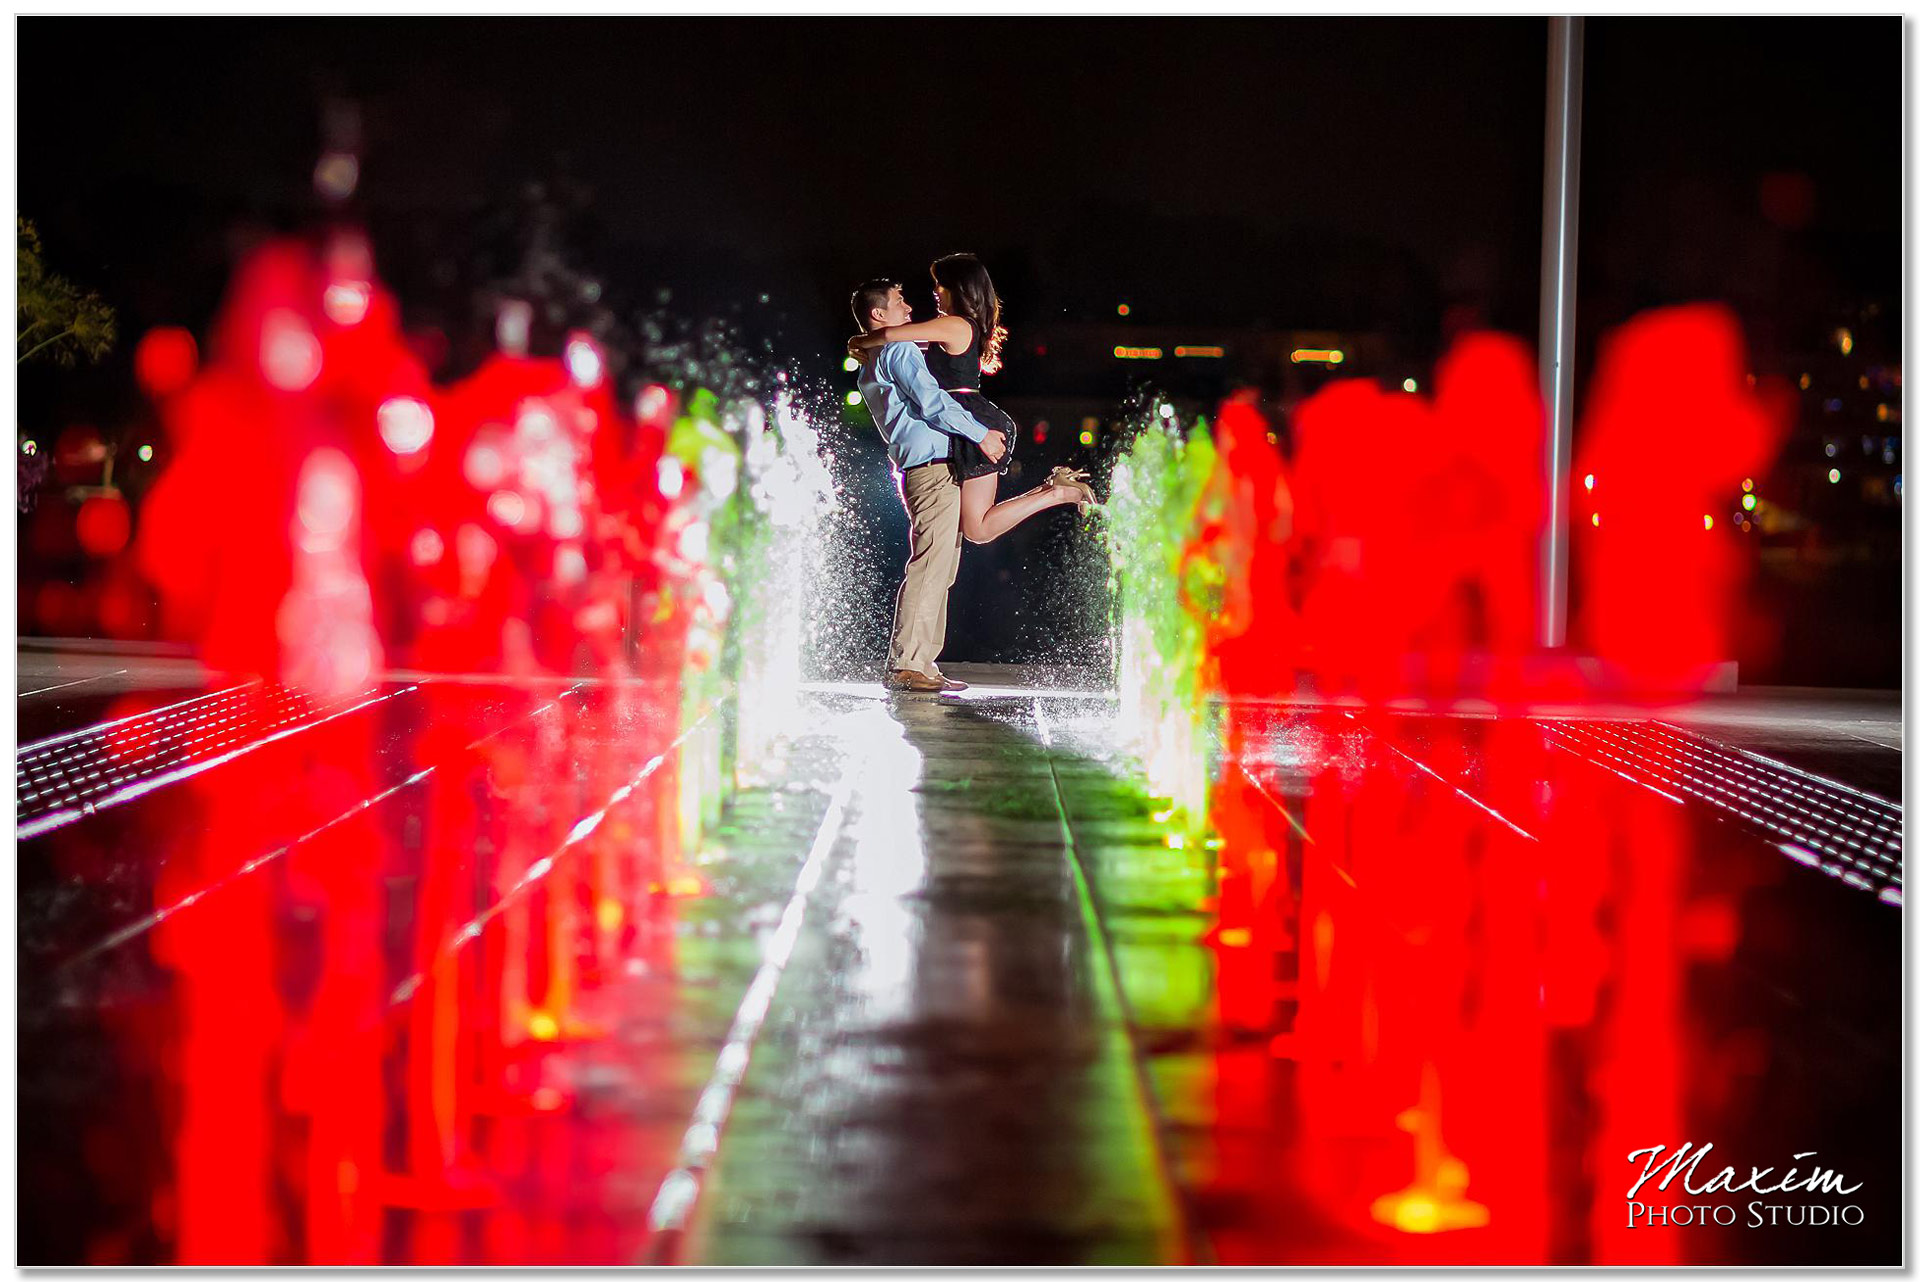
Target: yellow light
[1417, 1215]
[1124, 310]
[1086, 438]
[1589, 482]
[1863, 382]
[146, 451]
[1747, 485]
[1844, 339]
[1408, 385]
[609, 914]
[1806, 381]
[1596, 518]
[1709, 521]
[1235, 937]
[542, 1027]
[1138, 353]
[849, 365]
[853, 398]
[1833, 475]
[686, 886]
[1212, 352]
[1883, 413]
[1323, 355]
[1749, 502]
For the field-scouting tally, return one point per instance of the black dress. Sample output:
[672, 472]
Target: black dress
[960, 375]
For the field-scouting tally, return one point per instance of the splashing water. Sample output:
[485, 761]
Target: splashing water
[1160, 599]
[782, 560]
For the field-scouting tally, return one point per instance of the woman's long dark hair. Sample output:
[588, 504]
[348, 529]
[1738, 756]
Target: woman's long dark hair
[966, 280]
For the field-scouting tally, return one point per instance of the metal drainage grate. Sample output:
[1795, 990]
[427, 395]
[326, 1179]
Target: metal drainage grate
[1847, 834]
[75, 773]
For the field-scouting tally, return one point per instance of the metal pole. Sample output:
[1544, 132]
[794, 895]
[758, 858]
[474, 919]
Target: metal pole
[1559, 262]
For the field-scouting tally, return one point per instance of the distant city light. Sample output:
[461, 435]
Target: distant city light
[1138, 353]
[1806, 381]
[1124, 310]
[1883, 412]
[1833, 475]
[1588, 482]
[164, 361]
[1212, 352]
[1749, 502]
[849, 365]
[1409, 385]
[1843, 339]
[1896, 487]
[146, 453]
[1166, 410]
[853, 398]
[1596, 518]
[1747, 485]
[1086, 438]
[1832, 449]
[1324, 355]
[29, 447]
[1708, 520]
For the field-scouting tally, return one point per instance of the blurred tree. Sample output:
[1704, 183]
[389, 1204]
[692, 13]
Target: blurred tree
[56, 317]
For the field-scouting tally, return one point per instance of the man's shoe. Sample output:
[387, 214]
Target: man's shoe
[953, 685]
[918, 682]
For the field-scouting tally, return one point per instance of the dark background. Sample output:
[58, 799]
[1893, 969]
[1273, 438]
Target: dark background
[1371, 175]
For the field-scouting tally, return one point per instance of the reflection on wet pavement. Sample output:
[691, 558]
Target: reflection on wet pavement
[432, 978]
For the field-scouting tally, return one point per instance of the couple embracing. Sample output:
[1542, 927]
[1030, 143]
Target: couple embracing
[948, 443]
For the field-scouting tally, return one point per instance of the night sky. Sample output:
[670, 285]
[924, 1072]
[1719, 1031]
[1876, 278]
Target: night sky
[1364, 175]
[1362, 172]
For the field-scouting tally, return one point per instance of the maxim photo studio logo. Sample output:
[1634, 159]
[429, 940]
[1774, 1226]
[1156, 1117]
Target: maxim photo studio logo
[1723, 1198]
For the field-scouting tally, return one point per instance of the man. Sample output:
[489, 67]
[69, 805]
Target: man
[917, 420]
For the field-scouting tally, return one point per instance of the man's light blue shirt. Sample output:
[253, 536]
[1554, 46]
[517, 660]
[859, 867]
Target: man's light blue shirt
[913, 414]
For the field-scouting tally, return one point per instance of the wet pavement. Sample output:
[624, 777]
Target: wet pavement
[456, 973]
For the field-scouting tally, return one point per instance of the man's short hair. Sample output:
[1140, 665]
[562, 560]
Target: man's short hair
[869, 298]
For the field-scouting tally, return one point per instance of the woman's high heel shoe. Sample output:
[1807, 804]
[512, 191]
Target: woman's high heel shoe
[1065, 478]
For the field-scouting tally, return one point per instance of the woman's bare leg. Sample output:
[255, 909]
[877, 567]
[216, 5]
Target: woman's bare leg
[982, 520]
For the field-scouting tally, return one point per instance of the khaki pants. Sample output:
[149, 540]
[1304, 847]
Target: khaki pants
[932, 498]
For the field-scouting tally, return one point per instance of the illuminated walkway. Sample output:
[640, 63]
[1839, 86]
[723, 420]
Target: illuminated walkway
[947, 1076]
[422, 978]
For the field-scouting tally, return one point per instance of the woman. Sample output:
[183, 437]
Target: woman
[964, 342]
